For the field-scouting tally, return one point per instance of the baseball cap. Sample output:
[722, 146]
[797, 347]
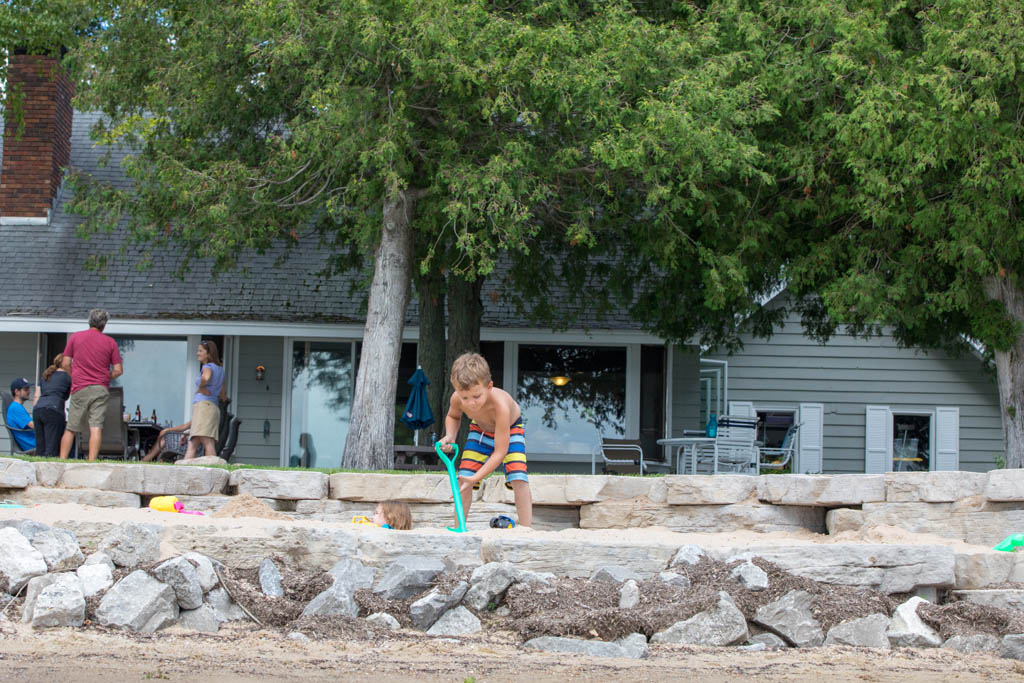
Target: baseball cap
[19, 383]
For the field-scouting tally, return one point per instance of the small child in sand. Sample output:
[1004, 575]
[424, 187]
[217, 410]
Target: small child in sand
[393, 514]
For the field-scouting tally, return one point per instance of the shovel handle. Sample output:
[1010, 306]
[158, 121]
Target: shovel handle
[453, 480]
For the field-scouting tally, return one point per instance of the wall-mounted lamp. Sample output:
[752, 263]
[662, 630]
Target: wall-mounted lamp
[261, 372]
[560, 380]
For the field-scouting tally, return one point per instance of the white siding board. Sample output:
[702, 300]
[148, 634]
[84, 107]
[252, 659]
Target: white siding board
[259, 401]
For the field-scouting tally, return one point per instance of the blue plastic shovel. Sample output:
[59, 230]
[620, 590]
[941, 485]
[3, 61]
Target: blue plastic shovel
[454, 480]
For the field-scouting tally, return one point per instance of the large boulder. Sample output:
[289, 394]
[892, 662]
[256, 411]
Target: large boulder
[203, 619]
[1012, 646]
[1005, 485]
[979, 642]
[353, 574]
[629, 595]
[95, 578]
[58, 547]
[139, 603]
[933, 487]
[590, 648]
[791, 617]
[908, 630]
[280, 484]
[455, 622]
[408, 576]
[205, 571]
[488, 583]
[750, 576]
[615, 574]
[37, 495]
[753, 516]
[33, 588]
[16, 474]
[181, 575]
[62, 603]
[866, 631]
[1004, 598]
[270, 579]
[723, 625]
[577, 558]
[130, 544]
[412, 488]
[701, 489]
[148, 480]
[428, 609]
[336, 600]
[224, 608]
[826, 490]
[19, 561]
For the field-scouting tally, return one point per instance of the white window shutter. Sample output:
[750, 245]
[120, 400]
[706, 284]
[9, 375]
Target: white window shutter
[811, 437]
[947, 438]
[877, 440]
[742, 409]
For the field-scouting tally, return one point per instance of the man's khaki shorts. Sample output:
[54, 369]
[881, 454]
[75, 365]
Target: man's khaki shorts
[87, 408]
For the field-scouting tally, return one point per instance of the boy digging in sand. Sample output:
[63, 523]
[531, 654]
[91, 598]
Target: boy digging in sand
[496, 434]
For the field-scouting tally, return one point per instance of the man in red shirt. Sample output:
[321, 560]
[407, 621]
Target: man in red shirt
[93, 360]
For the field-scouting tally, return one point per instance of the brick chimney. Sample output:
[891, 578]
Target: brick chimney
[30, 174]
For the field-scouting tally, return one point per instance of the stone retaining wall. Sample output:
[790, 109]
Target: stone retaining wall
[977, 508]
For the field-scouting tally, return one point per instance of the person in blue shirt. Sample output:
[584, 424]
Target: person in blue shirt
[18, 418]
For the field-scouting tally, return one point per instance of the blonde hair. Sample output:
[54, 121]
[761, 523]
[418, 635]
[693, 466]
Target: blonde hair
[470, 369]
[397, 514]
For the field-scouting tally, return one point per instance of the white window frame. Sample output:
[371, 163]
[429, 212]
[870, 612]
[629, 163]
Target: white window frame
[932, 426]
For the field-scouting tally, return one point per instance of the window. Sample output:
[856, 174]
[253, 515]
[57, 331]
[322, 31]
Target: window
[911, 442]
[157, 371]
[571, 396]
[772, 426]
[321, 404]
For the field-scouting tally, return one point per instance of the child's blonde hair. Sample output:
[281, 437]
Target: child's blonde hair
[397, 514]
[470, 369]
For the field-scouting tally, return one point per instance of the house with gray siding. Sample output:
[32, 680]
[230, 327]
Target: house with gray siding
[862, 405]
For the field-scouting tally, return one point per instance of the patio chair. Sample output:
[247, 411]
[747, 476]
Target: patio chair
[8, 399]
[115, 442]
[777, 458]
[733, 449]
[623, 456]
[228, 449]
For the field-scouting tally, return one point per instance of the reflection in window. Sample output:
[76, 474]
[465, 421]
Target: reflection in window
[321, 407]
[571, 396]
[154, 376]
[911, 443]
[772, 426]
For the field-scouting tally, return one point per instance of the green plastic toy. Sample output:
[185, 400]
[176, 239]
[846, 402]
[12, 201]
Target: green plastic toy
[1009, 543]
[449, 462]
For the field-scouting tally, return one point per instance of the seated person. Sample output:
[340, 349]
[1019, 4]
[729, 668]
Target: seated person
[172, 440]
[18, 418]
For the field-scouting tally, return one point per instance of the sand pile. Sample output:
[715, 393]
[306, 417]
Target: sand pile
[245, 505]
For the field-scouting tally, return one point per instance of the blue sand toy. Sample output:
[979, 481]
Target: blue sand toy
[454, 480]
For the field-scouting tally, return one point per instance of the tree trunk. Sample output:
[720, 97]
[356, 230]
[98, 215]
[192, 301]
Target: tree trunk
[465, 312]
[371, 434]
[1010, 371]
[431, 350]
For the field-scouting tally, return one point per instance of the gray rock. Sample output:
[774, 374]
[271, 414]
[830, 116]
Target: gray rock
[224, 608]
[527, 576]
[673, 579]
[58, 547]
[203, 619]
[99, 557]
[752, 647]
[867, 631]
[615, 574]
[591, 648]
[455, 622]
[723, 625]
[35, 586]
[981, 642]
[488, 583]
[204, 570]
[60, 604]
[687, 555]
[353, 573]
[430, 607]
[16, 474]
[629, 595]
[634, 645]
[750, 576]
[19, 561]
[1012, 646]
[384, 619]
[907, 629]
[769, 640]
[407, 576]
[130, 544]
[181, 575]
[95, 578]
[336, 600]
[300, 637]
[139, 603]
[270, 579]
[791, 616]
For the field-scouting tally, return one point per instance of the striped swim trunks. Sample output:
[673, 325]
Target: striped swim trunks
[480, 446]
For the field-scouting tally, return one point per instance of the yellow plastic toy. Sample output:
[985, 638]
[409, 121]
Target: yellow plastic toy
[164, 503]
[362, 519]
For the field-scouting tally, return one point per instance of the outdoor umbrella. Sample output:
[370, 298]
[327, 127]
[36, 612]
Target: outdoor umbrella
[417, 410]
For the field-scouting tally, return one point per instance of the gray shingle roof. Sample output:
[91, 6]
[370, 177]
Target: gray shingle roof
[45, 273]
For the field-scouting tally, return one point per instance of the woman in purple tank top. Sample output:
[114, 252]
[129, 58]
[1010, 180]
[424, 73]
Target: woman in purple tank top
[209, 392]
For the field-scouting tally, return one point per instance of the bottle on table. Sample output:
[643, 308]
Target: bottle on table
[138, 413]
[154, 417]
